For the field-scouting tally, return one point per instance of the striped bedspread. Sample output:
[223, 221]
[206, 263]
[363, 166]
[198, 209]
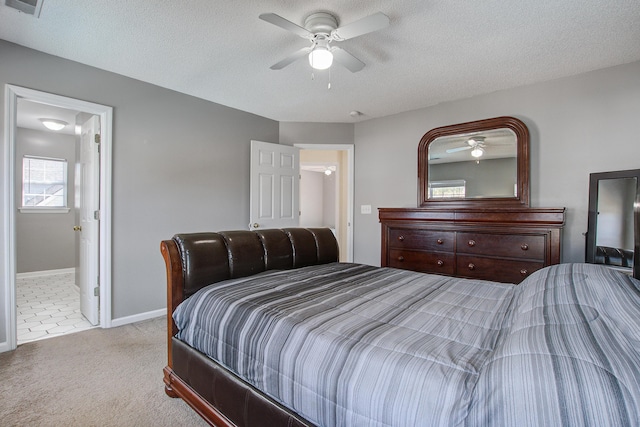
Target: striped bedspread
[355, 345]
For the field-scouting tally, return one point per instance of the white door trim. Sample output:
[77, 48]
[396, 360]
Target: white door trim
[349, 148]
[12, 93]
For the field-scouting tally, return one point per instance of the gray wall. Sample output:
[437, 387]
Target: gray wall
[180, 164]
[488, 178]
[316, 133]
[578, 125]
[45, 241]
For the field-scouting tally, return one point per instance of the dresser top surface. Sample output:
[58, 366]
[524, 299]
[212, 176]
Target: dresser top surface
[546, 216]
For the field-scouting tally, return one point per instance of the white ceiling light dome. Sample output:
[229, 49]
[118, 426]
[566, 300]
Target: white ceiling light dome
[321, 57]
[54, 124]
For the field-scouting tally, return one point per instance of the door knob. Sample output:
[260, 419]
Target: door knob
[77, 228]
[256, 225]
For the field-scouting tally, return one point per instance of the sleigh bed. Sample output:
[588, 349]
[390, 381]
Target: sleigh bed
[266, 328]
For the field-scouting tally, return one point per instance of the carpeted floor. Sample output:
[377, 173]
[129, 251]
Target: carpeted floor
[99, 377]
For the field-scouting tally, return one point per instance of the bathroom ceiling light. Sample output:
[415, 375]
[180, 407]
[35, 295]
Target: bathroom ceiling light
[54, 124]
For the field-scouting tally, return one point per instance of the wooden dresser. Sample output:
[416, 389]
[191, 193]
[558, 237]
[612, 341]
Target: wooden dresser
[501, 244]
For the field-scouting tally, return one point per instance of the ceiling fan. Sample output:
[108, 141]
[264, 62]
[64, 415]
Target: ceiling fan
[321, 29]
[476, 144]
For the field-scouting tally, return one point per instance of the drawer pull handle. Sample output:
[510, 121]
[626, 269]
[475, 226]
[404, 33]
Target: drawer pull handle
[440, 263]
[439, 241]
[524, 247]
[471, 243]
[472, 266]
[400, 258]
[523, 272]
[401, 238]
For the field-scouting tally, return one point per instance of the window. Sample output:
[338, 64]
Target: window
[44, 183]
[447, 189]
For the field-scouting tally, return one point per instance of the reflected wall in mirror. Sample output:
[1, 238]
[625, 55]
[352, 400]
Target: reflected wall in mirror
[613, 234]
[481, 163]
[477, 164]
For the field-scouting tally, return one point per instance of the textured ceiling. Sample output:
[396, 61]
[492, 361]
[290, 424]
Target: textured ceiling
[432, 52]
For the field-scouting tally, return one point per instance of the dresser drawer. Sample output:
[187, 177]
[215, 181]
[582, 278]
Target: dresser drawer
[505, 245]
[511, 271]
[430, 240]
[426, 262]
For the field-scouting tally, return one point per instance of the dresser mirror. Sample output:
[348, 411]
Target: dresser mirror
[484, 163]
[613, 236]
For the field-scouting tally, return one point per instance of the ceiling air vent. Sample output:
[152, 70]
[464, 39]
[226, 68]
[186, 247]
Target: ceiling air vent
[30, 7]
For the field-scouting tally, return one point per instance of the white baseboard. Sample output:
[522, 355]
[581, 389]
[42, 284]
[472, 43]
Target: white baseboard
[138, 317]
[44, 273]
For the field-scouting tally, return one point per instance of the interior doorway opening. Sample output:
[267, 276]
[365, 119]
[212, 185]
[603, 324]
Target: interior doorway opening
[326, 191]
[49, 188]
[16, 97]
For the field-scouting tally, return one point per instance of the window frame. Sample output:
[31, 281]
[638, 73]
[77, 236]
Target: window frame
[453, 183]
[45, 209]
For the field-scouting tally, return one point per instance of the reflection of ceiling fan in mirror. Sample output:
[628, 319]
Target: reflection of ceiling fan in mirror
[475, 144]
[321, 29]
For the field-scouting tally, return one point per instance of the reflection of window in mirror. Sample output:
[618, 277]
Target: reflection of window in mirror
[615, 213]
[447, 189]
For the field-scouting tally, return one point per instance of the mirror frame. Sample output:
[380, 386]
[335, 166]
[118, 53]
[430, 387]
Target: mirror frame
[522, 179]
[590, 249]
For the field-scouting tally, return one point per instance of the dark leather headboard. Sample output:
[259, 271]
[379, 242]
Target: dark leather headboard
[212, 257]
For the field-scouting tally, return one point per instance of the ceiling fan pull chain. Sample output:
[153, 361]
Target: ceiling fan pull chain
[329, 84]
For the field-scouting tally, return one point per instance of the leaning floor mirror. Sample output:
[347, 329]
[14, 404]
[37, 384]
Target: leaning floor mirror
[613, 236]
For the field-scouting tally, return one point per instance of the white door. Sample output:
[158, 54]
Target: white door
[89, 214]
[275, 180]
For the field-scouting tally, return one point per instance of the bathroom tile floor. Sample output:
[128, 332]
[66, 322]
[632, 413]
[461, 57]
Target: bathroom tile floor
[48, 306]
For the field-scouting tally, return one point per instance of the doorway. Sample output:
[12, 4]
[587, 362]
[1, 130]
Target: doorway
[326, 191]
[19, 101]
[47, 187]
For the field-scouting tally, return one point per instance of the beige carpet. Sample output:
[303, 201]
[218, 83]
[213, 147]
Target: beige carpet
[99, 377]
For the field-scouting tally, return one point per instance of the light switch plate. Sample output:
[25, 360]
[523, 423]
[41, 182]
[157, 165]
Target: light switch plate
[365, 209]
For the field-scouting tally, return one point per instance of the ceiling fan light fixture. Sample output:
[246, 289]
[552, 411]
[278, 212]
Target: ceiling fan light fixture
[321, 28]
[320, 58]
[477, 152]
[54, 124]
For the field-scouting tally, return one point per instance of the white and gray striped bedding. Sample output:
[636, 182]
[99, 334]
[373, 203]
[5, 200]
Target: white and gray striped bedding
[355, 345]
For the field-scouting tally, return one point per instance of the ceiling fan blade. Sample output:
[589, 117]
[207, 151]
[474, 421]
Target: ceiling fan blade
[347, 60]
[291, 58]
[455, 150]
[371, 23]
[279, 21]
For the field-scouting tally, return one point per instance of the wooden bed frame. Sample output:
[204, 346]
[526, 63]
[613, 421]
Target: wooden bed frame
[195, 260]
